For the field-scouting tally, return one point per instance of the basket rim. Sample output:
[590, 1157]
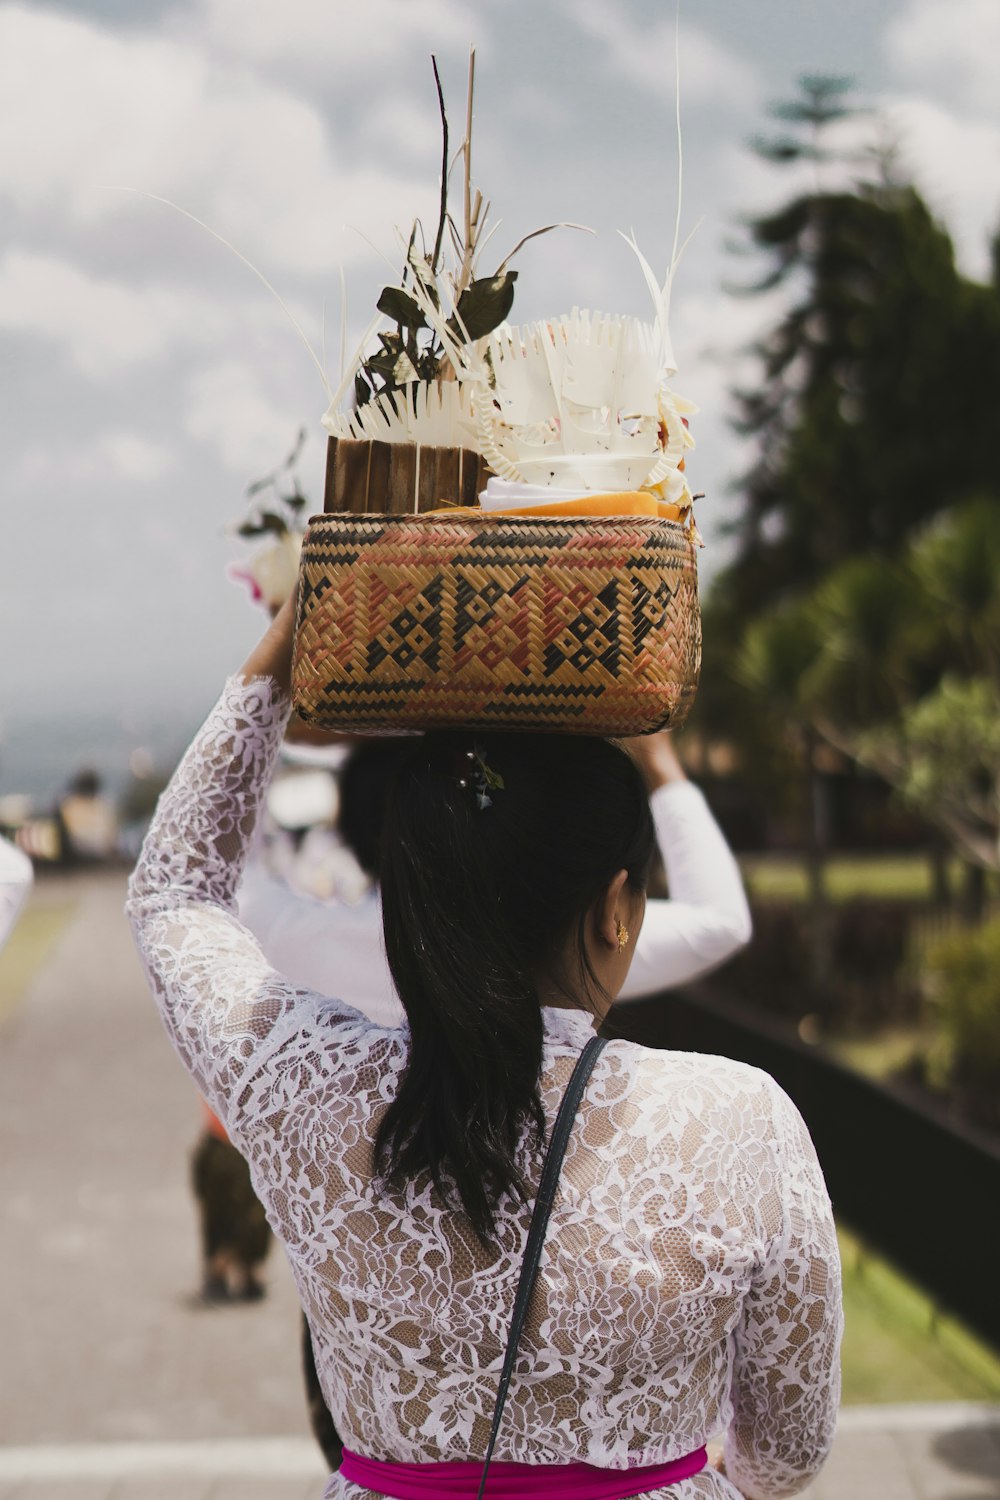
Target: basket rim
[428, 519]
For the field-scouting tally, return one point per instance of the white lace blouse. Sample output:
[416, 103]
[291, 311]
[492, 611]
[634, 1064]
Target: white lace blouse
[690, 1280]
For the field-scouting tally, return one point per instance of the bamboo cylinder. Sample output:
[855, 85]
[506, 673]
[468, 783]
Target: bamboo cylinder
[365, 477]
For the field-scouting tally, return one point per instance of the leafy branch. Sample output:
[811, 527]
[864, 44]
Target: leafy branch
[415, 351]
[281, 488]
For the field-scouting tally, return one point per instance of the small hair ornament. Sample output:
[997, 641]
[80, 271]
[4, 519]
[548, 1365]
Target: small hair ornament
[482, 775]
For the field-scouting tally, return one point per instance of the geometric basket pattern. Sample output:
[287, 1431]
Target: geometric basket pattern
[410, 622]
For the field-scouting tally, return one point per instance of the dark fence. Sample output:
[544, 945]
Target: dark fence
[919, 1188]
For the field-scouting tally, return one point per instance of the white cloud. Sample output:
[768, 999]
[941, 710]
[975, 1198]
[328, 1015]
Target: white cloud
[132, 456]
[227, 407]
[98, 111]
[710, 75]
[339, 37]
[951, 49]
[118, 455]
[102, 325]
[406, 128]
[952, 160]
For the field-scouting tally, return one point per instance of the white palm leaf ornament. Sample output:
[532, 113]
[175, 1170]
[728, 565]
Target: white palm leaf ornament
[581, 402]
[440, 414]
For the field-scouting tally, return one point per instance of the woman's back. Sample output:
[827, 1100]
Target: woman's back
[690, 1208]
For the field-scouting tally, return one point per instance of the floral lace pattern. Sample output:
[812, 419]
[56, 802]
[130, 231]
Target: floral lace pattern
[690, 1281]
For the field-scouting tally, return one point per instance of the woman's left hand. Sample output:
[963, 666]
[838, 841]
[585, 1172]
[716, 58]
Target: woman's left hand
[656, 758]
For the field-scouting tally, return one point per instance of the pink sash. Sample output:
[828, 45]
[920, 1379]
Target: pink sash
[515, 1481]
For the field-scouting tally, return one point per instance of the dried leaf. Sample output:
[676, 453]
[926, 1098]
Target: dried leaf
[563, 224]
[266, 522]
[483, 306]
[401, 308]
[382, 364]
[270, 521]
[404, 371]
[296, 452]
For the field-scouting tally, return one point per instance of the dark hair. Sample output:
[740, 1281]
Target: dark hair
[477, 901]
[364, 782]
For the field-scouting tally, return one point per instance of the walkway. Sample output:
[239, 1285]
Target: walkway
[882, 1453]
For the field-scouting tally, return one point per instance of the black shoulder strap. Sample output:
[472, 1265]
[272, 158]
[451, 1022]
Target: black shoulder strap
[536, 1229]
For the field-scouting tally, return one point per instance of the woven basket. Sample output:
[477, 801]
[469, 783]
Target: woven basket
[480, 621]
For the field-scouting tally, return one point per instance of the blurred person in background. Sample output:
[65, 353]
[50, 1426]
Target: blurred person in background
[234, 1232]
[16, 875]
[87, 820]
[318, 944]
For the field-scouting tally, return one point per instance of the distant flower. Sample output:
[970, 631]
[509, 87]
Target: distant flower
[271, 573]
[278, 522]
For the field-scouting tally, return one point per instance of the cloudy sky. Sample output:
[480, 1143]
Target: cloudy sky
[148, 376]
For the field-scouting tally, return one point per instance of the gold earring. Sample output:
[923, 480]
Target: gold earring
[622, 932]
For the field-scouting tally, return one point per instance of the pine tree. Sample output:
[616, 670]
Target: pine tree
[875, 403]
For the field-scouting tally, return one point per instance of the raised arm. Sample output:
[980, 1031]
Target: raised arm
[16, 875]
[786, 1369]
[221, 1002]
[707, 918]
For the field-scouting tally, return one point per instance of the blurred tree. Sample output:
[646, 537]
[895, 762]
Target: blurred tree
[862, 605]
[820, 103]
[897, 664]
[926, 715]
[885, 353]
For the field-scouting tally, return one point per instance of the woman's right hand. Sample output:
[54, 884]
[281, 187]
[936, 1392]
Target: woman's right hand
[272, 656]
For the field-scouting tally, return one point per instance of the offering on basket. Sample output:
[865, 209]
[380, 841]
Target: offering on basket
[508, 538]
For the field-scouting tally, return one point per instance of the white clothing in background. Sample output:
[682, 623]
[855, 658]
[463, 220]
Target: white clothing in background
[16, 875]
[322, 944]
[336, 948]
[690, 1278]
[707, 919]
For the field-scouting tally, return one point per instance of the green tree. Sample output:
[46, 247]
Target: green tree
[897, 665]
[862, 605]
[873, 407]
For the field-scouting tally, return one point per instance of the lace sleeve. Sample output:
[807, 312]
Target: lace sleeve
[219, 998]
[707, 917]
[786, 1376]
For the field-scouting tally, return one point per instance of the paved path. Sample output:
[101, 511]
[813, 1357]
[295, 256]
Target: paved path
[100, 1244]
[113, 1384]
[947, 1452]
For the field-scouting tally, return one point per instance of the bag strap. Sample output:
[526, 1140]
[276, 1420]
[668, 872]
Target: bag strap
[536, 1229]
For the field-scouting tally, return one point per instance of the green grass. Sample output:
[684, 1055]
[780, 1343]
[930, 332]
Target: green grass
[898, 1347]
[887, 1052]
[29, 946]
[890, 876]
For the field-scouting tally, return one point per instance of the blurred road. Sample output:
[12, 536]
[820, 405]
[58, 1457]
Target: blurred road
[101, 1339]
[113, 1383]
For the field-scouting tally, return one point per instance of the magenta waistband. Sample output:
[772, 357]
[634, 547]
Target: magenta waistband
[515, 1481]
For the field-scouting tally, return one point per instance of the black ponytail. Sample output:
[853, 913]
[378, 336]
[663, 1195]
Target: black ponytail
[478, 900]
